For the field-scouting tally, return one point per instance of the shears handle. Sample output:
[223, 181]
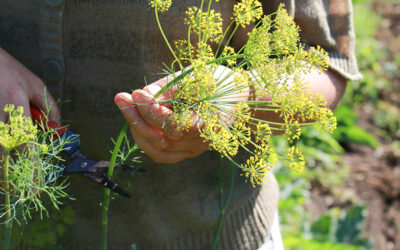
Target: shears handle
[59, 131]
[39, 118]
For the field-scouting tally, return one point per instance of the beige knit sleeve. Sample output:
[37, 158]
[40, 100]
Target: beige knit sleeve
[329, 23]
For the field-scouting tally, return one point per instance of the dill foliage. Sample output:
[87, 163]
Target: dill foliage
[29, 157]
[225, 87]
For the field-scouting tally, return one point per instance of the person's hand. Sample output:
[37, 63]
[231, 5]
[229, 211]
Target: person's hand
[152, 130]
[21, 87]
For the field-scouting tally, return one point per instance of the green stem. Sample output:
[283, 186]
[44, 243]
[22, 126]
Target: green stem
[232, 34]
[224, 206]
[8, 222]
[166, 40]
[187, 72]
[223, 37]
[106, 201]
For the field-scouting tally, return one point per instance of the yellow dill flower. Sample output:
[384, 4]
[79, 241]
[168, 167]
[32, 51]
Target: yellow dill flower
[295, 159]
[204, 54]
[228, 51]
[209, 24]
[256, 167]
[19, 129]
[292, 130]
[184, 50]
[279, 37]
[197, 86]
[247, 11]
[257, 48]
[327, 120]
[181, 118]
[263, 132]
[241, 81]
[276, 63]
[161, 5]
[220, 139]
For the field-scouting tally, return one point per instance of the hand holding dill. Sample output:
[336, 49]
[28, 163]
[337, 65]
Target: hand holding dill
[261, 91]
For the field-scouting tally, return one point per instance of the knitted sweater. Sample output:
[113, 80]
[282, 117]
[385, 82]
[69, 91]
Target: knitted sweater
[89, 50]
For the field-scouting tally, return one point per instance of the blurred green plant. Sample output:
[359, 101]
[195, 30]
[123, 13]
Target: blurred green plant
[341, 227]
[348, 131]
[387, 118]
[338, 227]
[369, 53]
[48, 233]
[299, 243]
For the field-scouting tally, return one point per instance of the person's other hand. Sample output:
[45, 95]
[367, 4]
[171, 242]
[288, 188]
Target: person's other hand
[21, 87]
[151, 129]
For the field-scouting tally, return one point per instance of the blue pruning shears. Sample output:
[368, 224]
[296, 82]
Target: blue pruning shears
[95, 170]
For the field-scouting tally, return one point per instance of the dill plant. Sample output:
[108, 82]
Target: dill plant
[223, 86]
[29, 156]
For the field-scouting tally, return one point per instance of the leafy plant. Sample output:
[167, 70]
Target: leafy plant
[44, 233]
[225, 99]
[299, 243]
[118, 155]
[348, 131]
[29, 160]
[369, 53]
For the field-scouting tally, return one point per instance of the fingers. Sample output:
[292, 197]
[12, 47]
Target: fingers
[152, 141]
[155, 87]
[138, 125]
[159, 116]
[19, 86]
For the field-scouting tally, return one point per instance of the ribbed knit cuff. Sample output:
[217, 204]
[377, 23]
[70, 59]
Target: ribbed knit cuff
[346, 67]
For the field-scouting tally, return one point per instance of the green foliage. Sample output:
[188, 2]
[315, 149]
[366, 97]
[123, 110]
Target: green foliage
[348, 131]
[369, 54]
[30, 157]
[350, 226]
[299, 243]
[48, 233]
[387, 118]
[300, 227]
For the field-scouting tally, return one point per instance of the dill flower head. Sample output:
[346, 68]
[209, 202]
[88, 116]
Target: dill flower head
[18, 131]
[225, 96]
[247, 11]
[257, 166]
[295, 159]
[184, 50]
[208, 24]
[161, 5]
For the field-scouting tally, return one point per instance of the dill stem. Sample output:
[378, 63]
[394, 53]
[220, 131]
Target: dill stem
[106, 201]
[8, 222]
[223, 37]
[232, 34]
[187, 72]
[165, 39]
[224, 205]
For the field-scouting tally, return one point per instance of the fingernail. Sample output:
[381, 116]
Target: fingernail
[122, 103]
